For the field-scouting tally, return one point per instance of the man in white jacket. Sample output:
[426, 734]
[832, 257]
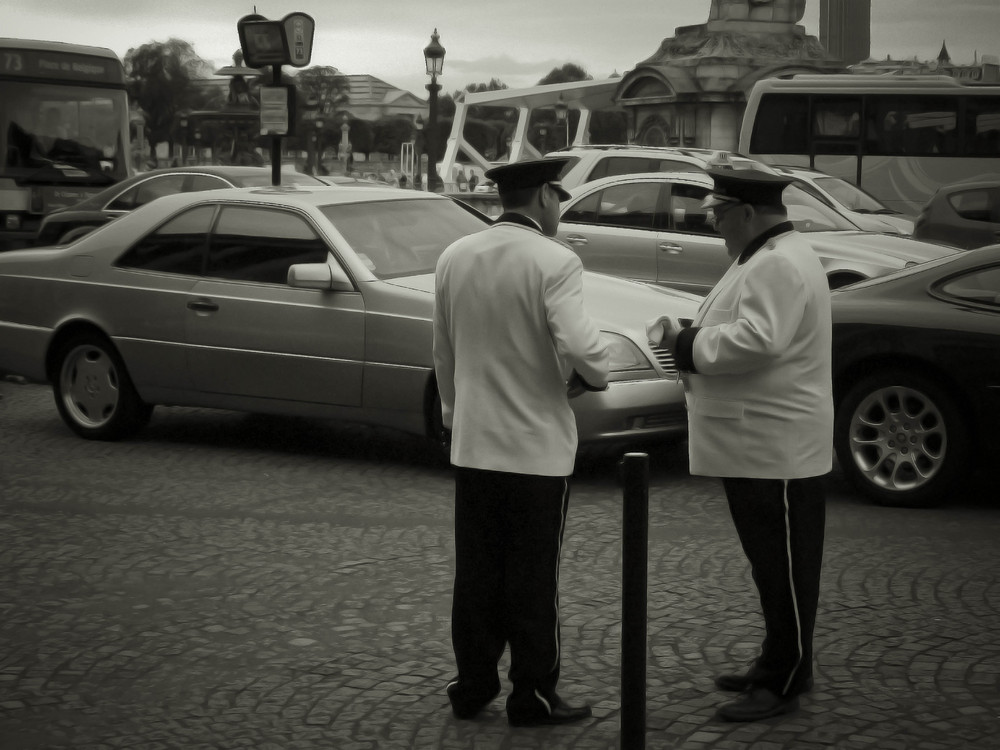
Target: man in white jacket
[760, 413]
[512, 344]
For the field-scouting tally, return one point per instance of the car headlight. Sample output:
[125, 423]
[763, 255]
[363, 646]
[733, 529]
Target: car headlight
[627, 360]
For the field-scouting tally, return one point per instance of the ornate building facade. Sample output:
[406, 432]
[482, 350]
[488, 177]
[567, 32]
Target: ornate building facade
[692, 90]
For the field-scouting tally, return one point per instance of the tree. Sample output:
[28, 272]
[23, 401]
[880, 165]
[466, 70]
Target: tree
[323, 90]
[160, 80]
[568, 73]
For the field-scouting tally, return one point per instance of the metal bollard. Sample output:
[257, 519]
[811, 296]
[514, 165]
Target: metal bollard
[635, 543]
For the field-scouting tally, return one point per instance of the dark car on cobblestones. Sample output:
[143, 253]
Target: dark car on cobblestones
[916, 359]
[67, 224]
[300, 301]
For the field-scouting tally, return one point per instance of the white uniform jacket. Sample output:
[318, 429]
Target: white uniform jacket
[760, 398]
[509, 330]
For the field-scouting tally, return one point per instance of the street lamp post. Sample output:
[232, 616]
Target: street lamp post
[345, 143]
[562, 112]
[434, 60]
[418, 149]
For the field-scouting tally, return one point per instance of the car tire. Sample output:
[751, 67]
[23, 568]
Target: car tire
[900, 439]
[93, 391]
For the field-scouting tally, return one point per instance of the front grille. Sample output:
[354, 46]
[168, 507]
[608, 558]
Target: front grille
[665, 359]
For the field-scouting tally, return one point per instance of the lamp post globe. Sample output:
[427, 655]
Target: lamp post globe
[434, 61]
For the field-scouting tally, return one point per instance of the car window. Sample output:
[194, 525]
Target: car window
[583, 211]
[613, 166]
[849, 195]
[630, 205]
[981, 286]
[149, 190]
[402, 237]
[178, 246]
[199, 182]
[810, 214]
[686, 213]
[124, 201]
[253, 244]
[977, 205]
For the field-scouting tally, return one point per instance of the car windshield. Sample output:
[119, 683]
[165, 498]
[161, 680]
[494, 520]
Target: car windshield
[809, 214]
[851, 196]
[402, 237]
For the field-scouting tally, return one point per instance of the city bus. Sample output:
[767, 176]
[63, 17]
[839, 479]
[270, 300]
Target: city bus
[63, 130]
[898, 137]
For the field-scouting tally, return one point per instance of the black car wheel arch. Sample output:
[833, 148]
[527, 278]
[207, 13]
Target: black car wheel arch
[93, 391]
[901, 440]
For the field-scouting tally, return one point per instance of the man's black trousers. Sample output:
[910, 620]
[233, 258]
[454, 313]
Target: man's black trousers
[508, 539]
[781, 527]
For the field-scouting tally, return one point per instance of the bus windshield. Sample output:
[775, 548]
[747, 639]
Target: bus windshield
[65, 134]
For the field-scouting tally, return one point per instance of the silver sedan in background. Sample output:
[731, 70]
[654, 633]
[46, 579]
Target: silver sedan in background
[651, 227]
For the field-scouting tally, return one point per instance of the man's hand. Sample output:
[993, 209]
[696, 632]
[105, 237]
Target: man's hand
[658, 329]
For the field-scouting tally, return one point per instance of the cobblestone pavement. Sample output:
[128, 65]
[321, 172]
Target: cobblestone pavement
[229, 581]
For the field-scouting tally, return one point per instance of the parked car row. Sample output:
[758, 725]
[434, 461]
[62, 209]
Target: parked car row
[316, 301]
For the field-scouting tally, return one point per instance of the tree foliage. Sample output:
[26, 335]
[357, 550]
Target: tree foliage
[160, 80]
[322, 89]
[568, 73]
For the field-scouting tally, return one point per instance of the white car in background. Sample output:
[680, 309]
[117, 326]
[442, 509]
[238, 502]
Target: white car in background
[864, 209]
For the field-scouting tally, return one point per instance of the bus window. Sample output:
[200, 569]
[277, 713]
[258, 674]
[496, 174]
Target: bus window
[781, 125]
[836, 124]
[913, 125]
[982, 126]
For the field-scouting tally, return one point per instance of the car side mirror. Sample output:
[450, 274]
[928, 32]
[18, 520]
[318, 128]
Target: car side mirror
[325, 276]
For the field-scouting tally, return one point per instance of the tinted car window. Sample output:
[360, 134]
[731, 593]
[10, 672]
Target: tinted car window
[252, 244]
[584, 211]
[157, 187]
[977, 205]
[199, 182]
[686, 213]
[176, 247]
[125, 201]
[982, 286]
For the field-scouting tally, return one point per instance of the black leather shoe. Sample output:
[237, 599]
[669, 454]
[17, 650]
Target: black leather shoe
[740, 683]
[560, 713]
[734, 683]
[466, 704]
[759, 703]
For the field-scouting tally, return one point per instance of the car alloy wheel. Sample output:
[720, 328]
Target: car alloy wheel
[900, 440]
[93, 391]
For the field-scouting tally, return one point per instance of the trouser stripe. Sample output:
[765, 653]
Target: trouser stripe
[791, 586]
[562, 529]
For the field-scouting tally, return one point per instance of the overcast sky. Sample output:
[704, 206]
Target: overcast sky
[515, 41]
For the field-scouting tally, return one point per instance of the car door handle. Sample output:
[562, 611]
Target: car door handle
[203, 306]
[670, 247]
[576, 239]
